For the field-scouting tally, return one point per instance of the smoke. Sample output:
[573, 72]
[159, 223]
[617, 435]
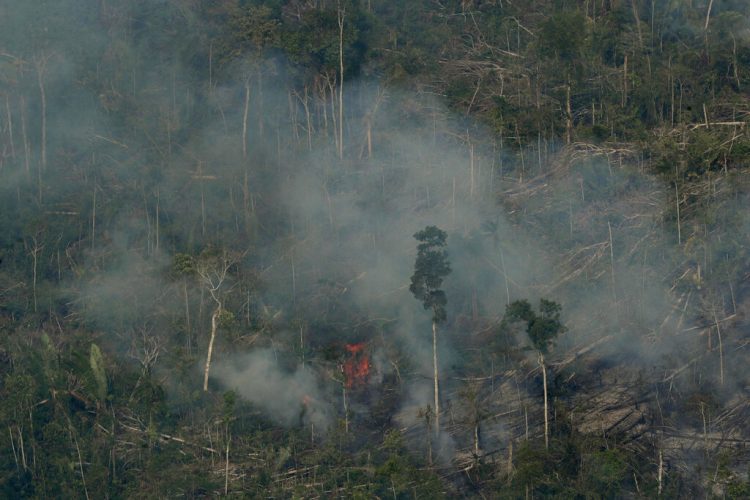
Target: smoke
[151, 161]
[290, 398]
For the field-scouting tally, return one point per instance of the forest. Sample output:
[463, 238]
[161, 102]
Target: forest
[374, 249]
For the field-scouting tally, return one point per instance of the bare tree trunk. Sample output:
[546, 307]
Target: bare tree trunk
[93, 221]
[435, 377]
[261, 123]
[9, 118]
[569, 116]
[40, 80]
[368, 124]
[293, 115]
[80, 467]
[546, 410]
[13, 447]
[35, 261]
[677, 204]
[638, 23]
[26, 146]
[346, 408]
[244, 118]
[187, 315]
[332, 89]
[210, 66]
[721, 351]
[226, 468]
[734, 68]
[612, 262]
[341, 82]
[301, 337]
[22, 448]
[308, 120]
[214, 327]
[156, 220]
[708, 14]
[660, 473]
[625, 82]
[471, 167]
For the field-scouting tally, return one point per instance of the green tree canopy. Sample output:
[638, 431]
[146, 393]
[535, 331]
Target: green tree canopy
[430, 267]
[543, 327]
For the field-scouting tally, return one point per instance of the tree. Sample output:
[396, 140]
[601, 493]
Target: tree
[213, 272]
[430, 267]
[542, 330]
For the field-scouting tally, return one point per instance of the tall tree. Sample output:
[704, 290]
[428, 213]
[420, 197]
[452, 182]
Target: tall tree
[430, 267]
[542, 330]
[213, 272]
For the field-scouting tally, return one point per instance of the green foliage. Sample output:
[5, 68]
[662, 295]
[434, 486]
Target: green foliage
[606, 471]
[563, 35]
[397, 475]
[96, 363]
[543, 327]
[430, 268]
[144, 106]
[183, 264]
[573, 467]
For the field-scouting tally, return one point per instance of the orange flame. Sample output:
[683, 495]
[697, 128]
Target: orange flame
[357, 368]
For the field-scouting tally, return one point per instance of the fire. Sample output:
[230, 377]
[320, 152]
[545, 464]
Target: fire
[357, 368]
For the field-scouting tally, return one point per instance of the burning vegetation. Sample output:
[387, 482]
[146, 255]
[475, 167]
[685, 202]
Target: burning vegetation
[357, 366]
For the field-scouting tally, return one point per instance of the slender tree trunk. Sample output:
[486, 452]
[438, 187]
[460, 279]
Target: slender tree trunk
[428, 435]
[9, 118]
[301, 337]
[43, 94]
[671, 93]
[369, 138]
[26, 146]
[546, 410]
[13, 447]
[332, 88]
[476, 437]
[244, 118]
[293, 115]
[93, 221]
[569, 116]
[261, 123]
[638, 23]
[510, 459]
[214, 327]
[341, 82]
[625, 82]
[308, 120]
[35, 261]
[22, 447]
[346, 408]
[660, 473]
[721, 350]
[734, 69]
[187, 315]
[156, 220]
[708, 14]
[435, 377]
[677, 204]
[226, 468]
[471, 167]
[80, 467]
[612, 262]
